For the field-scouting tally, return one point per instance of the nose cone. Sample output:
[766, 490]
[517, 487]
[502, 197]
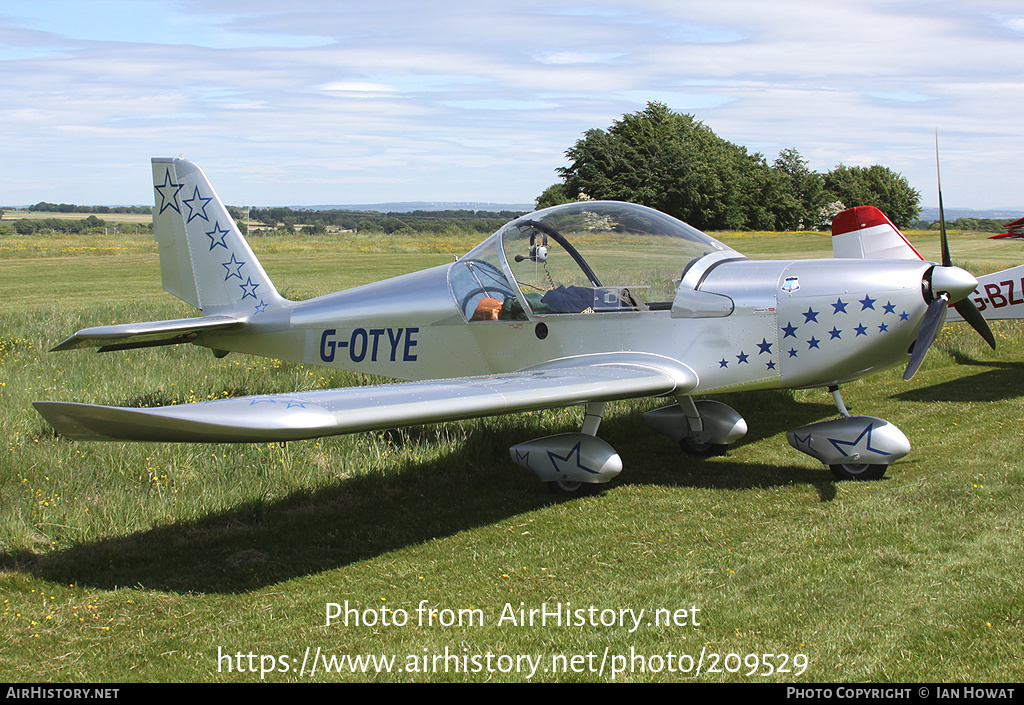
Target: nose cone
[956, 282]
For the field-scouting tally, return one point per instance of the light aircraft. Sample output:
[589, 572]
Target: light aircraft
[1014, 231]
[578, 304]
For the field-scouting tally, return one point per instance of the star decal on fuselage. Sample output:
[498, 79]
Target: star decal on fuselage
[867, 302]
[810, 315]
[839, 306]
[789, 330]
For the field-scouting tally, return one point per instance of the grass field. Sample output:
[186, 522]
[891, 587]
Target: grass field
[147, 562]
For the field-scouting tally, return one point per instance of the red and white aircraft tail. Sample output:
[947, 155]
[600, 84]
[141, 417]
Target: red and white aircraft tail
[865, 232]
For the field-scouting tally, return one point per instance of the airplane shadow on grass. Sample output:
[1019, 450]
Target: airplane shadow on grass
[257, 544]
[1000, 381]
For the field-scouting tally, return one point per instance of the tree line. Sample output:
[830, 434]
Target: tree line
[316, 222]
[675, 163]
[44, 207]
[49, 226]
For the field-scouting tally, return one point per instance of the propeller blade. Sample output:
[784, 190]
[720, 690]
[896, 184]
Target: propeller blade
[934, 317]
[947, 261]
[965, 307]
[971, 314]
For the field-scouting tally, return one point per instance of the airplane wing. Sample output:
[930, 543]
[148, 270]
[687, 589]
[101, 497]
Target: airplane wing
[145, 335]
[303, 415]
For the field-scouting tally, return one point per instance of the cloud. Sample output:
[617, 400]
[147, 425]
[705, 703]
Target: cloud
[398, 100]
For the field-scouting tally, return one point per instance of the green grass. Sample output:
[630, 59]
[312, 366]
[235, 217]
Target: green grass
[144, 562]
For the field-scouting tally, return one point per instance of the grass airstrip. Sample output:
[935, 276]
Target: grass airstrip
[424, 554]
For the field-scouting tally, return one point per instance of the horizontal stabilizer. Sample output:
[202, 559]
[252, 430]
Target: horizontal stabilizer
[287, 417]
[148, 334]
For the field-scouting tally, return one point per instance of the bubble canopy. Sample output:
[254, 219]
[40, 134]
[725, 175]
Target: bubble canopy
[579, 258]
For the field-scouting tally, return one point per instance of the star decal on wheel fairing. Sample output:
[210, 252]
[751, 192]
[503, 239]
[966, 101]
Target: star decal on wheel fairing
[556, 459]
[169, 197]
[865, 434]
[524, 459]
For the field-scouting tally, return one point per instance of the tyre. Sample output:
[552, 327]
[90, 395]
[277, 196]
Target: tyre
[853, 471]
[569, 488]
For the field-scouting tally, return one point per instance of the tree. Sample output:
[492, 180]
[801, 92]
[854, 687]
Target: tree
[876, 186]
[676, 164]
[553, 195]
[801, 204]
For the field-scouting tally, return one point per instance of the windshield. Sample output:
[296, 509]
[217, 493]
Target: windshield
[587, 257]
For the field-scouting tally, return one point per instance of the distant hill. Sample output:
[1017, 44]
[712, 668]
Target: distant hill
[410, 206]
[1004, 214]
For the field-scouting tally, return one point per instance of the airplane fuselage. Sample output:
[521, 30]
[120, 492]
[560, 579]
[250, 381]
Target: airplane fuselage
[800, 323]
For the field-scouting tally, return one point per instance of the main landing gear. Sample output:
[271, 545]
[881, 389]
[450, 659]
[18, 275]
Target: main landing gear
[703, 428]
[572, 464]
[853, 447]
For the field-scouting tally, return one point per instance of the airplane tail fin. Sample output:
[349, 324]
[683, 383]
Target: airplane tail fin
[204, 260]
[865, 232]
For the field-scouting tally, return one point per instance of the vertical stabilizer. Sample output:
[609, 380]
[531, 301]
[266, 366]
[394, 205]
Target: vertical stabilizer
[865, 232]
[204, 259]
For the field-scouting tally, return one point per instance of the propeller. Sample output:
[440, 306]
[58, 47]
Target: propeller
[945, 283]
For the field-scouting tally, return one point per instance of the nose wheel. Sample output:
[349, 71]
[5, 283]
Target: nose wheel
[572, 489]
[854, 471]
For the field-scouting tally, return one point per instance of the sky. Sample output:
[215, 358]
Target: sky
[311, 102]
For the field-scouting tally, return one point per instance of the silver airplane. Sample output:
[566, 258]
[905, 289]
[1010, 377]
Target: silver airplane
[578, 304]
